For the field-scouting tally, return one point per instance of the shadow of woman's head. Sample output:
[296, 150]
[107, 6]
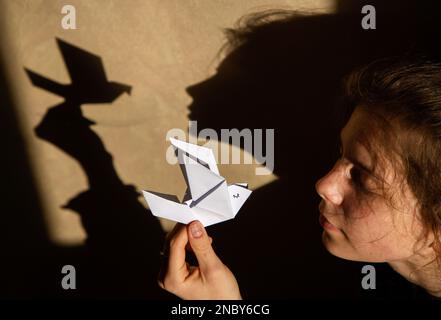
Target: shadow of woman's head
[283, 70]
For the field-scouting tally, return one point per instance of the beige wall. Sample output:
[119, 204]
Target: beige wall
[159, 47]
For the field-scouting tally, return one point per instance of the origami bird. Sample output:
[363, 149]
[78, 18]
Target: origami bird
[208, 198]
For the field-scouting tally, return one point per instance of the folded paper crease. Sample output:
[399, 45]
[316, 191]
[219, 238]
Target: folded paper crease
[208, 198]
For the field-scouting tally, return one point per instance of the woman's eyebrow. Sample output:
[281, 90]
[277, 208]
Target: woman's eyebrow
[359, 164]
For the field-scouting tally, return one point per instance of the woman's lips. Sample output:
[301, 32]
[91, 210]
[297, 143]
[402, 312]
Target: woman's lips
[326, 224]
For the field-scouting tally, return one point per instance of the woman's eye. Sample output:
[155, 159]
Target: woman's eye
[355, 175]
[359, 178]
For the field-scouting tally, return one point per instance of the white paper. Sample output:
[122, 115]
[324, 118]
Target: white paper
[208, 197]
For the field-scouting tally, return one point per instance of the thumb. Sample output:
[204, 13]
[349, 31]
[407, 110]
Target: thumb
[201, 245]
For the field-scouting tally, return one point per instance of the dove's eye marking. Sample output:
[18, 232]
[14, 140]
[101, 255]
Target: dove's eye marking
[236, 195]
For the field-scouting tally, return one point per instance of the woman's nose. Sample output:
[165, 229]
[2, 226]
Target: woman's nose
[199, 88]
[191, 90]
[330, 187]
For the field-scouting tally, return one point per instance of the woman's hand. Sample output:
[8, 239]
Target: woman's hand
[211, 280]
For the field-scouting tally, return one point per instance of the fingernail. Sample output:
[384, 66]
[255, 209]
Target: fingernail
[196, 230]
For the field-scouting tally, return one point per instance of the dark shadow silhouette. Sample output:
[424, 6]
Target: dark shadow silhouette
[23, 235]
[121, 255]
[286, 74]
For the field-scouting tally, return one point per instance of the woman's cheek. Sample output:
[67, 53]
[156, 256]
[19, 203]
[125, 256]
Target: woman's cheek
[363, 230]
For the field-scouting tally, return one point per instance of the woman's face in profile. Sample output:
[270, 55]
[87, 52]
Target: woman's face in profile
[359, 221]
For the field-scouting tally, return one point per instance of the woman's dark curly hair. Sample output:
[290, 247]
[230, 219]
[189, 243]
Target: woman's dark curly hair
[403, 95]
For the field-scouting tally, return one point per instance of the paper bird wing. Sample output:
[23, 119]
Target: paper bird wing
[200, 180]
[217, 201]
[201, 153]
[207, 217]
[164, 206]
[238, 195]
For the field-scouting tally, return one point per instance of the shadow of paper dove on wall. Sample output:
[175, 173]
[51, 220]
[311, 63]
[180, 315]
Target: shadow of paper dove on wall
[86, 71]
[64, 125]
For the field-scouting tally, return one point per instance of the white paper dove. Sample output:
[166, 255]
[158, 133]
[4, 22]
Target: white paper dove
[208, 197]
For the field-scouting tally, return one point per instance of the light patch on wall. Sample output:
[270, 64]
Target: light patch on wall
[149, 45]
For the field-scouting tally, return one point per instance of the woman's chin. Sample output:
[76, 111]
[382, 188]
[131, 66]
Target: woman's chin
[336, 247]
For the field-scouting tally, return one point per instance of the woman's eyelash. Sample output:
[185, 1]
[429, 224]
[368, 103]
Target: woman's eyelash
[355, 174]
[358, 177]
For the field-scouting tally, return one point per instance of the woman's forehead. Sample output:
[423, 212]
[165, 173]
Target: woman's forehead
[361, 139]
[353, 138]
[363, 127]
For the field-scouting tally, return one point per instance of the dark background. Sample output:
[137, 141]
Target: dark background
[287, 76]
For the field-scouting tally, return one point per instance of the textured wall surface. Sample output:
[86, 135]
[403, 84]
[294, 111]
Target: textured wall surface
[158, 48]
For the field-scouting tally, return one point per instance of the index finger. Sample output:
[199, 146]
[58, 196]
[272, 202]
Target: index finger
[177, 268]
